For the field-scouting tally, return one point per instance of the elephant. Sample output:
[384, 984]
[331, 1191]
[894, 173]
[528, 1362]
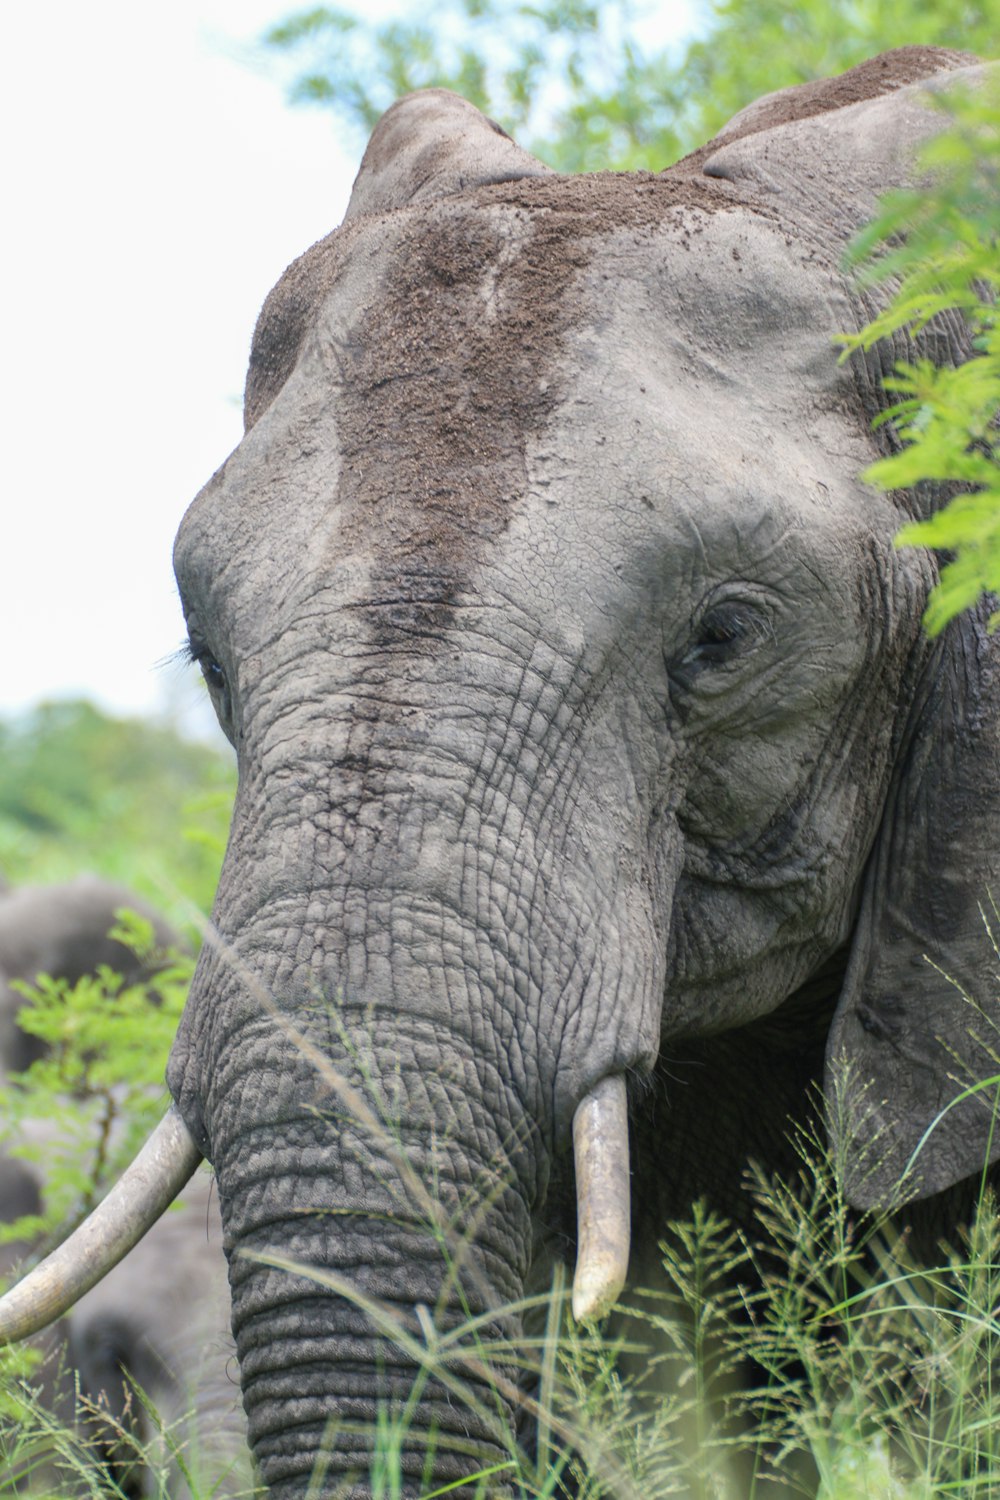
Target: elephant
[152, 1335]
[175, 1344]
[63, 930]
[159, 1321]
[596, 774]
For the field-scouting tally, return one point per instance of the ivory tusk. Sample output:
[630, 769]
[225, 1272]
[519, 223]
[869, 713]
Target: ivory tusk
[600, 1149]
[145, 1189]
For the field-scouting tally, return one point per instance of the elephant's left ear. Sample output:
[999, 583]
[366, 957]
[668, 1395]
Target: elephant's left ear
[916, 1037]
[430, 145]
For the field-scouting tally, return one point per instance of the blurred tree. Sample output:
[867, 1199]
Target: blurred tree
[130, 799]
[576, 83]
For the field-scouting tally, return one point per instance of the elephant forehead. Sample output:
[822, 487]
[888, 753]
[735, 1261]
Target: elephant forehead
[709, 375]
[731, 310]
[549, 227]
[394, 381]
[436, 353]
[705, 427]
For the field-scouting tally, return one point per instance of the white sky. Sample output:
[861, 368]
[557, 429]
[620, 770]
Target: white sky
[155, 188]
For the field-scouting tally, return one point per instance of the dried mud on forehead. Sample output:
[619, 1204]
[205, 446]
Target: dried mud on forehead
[456, 365]
[870, 79]
[597, 202]
[585, 207]
[460, 363]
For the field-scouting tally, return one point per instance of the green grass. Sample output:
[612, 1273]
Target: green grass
[818, 1360]
[836, 1367]
[43, 1454]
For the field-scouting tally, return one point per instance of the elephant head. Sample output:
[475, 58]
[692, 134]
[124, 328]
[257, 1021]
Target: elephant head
[584, 719]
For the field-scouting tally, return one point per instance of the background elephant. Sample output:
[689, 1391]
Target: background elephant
[586, 731]
[62, 930]
[160, 1320]
[157, 1324]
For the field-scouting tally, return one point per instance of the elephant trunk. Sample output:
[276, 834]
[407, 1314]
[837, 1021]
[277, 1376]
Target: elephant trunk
[329, 1367]
[410, 995]
[378, 1226]
[364, 1335]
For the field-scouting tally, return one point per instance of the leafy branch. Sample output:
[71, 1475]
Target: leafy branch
[941, 243]
[590, 85]
[82, 1109]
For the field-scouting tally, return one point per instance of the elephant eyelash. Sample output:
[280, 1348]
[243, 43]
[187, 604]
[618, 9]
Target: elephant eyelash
[194, 651]
[181, 656]
[725, 630]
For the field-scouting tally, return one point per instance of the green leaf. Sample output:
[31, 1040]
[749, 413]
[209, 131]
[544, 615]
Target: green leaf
[941, 244]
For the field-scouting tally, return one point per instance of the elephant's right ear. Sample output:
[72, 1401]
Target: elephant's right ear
[918, 1024]
[430, 145]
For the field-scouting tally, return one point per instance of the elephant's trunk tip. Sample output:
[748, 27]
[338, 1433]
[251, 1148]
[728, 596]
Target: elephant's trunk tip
[600, 1148]
[144, 1191]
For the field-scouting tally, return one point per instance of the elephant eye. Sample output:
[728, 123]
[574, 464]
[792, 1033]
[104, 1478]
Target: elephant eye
[726, 630]
[215, 678]
[213, 674]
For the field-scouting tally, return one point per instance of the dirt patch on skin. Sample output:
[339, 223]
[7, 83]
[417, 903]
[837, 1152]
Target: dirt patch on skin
[458, 365]
[288, 313]
[585, 207]
[597, 202]
[455, 364]
[878, 75]
[870, 79]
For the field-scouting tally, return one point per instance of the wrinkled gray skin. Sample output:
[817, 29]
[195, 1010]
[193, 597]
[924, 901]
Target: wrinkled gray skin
[585, 725]
[161, 1318]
